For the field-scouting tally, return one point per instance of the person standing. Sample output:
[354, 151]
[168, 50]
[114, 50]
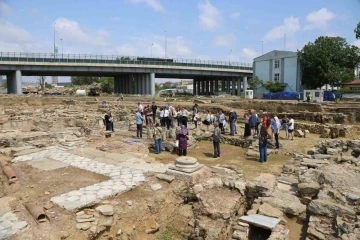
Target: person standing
[232, 122]
[182, 137]
[247, 131]
[149, 117]
[195, 120]
[275, 126]
[166, 118]
[139, 123]
[252, 122]
[141, 108]
[184, 116]
[236, 118]
[162, 121]
[285, 126]
[195, 111]
[216, 140]
[107, 117]
[263, 139]
[222, 121]
[158, 138]
[121, 97]
[207, 120]
[153, 109]
[291, 125]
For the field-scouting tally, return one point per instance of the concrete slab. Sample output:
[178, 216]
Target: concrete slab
[260, 221]
[47, 164]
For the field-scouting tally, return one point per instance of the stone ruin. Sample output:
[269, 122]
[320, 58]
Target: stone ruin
[185, 165]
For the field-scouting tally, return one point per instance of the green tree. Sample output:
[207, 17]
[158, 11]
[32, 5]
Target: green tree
[274, 87]
[357, 31]
[329, 60]
[254, 82]
[107, 84]
[48, 85]
[84, 80]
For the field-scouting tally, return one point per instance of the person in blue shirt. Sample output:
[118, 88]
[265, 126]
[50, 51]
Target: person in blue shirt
[139, 123]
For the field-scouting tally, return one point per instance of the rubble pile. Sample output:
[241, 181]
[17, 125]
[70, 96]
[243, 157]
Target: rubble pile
[327, 181]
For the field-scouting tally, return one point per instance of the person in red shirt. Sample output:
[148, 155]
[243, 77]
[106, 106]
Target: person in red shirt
[265, 121]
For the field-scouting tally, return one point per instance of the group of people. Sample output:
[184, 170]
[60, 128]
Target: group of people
[169, 115]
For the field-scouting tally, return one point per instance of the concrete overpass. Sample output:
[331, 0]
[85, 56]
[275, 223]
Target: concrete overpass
[132, 75]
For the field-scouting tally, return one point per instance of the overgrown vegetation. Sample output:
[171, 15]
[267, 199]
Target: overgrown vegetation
[274, 87]
[106, 83]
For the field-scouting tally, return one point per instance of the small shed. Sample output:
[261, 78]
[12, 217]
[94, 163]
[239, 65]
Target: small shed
[316, 95]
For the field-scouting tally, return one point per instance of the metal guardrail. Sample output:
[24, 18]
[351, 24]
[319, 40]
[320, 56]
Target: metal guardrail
[115, 59]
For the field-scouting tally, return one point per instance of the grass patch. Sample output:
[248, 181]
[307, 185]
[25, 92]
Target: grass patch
[169, 233]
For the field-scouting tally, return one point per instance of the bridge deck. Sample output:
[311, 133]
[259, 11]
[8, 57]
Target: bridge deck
[116, 60]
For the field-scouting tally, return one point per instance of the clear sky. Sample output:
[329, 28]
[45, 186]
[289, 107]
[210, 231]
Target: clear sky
[201, 29]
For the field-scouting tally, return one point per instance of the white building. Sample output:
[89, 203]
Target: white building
[278, 66]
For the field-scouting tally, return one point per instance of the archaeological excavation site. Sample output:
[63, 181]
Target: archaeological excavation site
[64, 176]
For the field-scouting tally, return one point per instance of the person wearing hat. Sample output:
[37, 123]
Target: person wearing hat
[232, 120]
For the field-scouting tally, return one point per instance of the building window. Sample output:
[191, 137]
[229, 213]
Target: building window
[277, 63]
[277, 77]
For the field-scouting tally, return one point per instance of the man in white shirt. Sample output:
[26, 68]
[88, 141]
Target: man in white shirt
[166, 118]
[141, 108]
[291, 124]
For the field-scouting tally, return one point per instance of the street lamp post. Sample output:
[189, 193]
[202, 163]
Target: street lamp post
[165, 44]
[262, 47]
[151, 49]
[229, 56]
[62, 48]
[54, 40]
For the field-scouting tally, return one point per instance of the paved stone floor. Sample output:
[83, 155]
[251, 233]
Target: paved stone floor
[9, 225]
[123, 176]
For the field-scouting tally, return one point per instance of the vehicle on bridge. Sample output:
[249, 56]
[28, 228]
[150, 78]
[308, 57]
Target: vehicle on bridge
[154, 59]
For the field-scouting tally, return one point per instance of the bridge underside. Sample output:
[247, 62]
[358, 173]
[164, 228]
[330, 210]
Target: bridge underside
[144, 83]
[129, 80]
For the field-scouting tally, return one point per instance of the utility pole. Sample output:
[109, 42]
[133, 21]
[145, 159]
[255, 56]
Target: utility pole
[165, 44]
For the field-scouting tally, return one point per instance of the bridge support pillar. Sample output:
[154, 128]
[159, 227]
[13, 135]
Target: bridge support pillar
[143, 83]
[211, 86]
[238, 86]
[207, 87]
[14, 81]
[116, 85]
[233, 85]
[198, 87]
[244, 86]
[223, 85]
[122, 83]
[152, 84]
[194, 87]
[216, 86]
[202, 87]
[228, 85]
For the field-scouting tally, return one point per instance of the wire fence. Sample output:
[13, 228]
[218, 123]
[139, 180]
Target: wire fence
[116, 59]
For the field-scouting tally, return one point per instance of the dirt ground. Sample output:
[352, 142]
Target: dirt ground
[37, 186]
[233, 155]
